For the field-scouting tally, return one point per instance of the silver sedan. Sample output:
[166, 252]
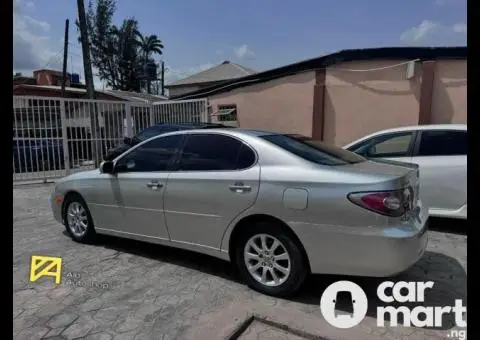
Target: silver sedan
[277, 206]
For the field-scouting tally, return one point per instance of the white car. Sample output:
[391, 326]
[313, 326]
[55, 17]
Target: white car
[441, 153]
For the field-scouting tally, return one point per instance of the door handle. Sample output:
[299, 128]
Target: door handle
[154, 184]
[240, 187]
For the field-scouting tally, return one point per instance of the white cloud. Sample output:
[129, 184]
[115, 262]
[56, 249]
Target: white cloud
[243, 52]
[30, 5]
[460, 28]
[434, 33]
[32, 47]
[448, 2]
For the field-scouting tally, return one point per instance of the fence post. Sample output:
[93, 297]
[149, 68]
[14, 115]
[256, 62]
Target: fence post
[207, 117]
[63, 123]
[128, 119]
[152, 114]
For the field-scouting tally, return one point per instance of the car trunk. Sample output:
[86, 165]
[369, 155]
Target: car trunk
[405, 175]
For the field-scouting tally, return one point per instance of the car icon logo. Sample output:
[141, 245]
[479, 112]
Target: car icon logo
[344, 304]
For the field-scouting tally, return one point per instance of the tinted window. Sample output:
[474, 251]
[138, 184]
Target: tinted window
[443, 143]
[388, 145]
[155, 155]
[206, 152]
[314, 151]
[154, 131]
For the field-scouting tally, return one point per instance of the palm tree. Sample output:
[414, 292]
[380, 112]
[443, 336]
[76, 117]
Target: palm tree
[148, 45]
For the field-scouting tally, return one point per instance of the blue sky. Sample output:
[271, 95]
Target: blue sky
[260, 34]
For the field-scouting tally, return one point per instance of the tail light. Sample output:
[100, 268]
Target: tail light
[390, 203]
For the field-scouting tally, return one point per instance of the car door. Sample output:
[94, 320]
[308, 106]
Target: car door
[216, 178]
[442, 157]
[130, 201]
[396, 146]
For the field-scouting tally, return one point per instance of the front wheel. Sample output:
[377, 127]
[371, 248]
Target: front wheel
[270, 260]
[77, 219]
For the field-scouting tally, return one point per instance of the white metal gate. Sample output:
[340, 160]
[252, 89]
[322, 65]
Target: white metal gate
[53, 137]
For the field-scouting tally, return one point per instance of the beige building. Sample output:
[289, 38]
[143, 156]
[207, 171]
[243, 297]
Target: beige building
[346, 95]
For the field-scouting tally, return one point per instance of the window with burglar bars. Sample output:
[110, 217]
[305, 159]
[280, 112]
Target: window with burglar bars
[226, 113]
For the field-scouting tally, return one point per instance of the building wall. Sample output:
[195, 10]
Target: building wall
[356, 103]
[283, 105]
[46, 77]
[359, 103]
[449, 102]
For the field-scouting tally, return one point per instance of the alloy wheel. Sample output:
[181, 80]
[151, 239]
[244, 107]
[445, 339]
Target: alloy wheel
[77, 219]
[267, 260]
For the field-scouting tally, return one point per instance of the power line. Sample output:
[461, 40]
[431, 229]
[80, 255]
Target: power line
[54, 58]
[75, 45]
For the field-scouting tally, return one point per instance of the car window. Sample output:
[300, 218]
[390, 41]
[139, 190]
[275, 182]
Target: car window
[314, 151]
[443, 143]
[209, 152]
[154, 131]
[387, 145]
[155, 155]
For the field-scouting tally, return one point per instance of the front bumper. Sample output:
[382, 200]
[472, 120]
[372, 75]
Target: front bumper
[56, 202]
[371, 251]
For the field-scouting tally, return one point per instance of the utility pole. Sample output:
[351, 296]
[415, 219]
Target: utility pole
[87, 67]
[65, 58]
[163, 78]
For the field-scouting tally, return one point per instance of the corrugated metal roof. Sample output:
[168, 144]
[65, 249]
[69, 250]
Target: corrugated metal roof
[124, 95]
[52, 88]
[133, 96]
[225, 71]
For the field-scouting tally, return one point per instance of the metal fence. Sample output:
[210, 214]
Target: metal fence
[53, 137]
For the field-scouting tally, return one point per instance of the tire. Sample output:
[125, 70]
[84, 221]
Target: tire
[83, 231]
[287, 284]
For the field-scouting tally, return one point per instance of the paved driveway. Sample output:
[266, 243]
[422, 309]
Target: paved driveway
[121, 289]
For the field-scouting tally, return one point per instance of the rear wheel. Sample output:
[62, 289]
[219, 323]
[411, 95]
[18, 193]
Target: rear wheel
[77, 219]
[270, 260]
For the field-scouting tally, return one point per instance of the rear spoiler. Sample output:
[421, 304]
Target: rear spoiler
[388, 161]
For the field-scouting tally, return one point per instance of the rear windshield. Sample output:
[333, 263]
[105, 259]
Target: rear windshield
[314, 151]
[154, 131]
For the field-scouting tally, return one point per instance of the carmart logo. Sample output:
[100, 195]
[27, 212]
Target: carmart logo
[356, 300]
[388, 292]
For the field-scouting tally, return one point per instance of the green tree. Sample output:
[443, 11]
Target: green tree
[148, 45]
[118, 52]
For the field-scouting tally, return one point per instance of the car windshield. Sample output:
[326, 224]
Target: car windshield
[314, 151]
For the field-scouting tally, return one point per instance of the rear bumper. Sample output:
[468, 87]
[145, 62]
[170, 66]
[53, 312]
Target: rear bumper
[371, 251]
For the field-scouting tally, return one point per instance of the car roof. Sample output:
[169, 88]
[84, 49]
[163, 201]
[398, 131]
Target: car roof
[191, 125]
[461, 127]
[426, 127]
[236, 131]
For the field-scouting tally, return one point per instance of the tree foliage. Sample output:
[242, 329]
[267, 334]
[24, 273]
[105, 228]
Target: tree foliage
[119, 53]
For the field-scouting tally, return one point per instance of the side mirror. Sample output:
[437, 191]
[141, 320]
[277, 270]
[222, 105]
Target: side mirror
[127, 140]
[107, 167]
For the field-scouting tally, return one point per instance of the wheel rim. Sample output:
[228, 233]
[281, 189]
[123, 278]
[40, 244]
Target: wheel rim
[267, 260]
[77, 219]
